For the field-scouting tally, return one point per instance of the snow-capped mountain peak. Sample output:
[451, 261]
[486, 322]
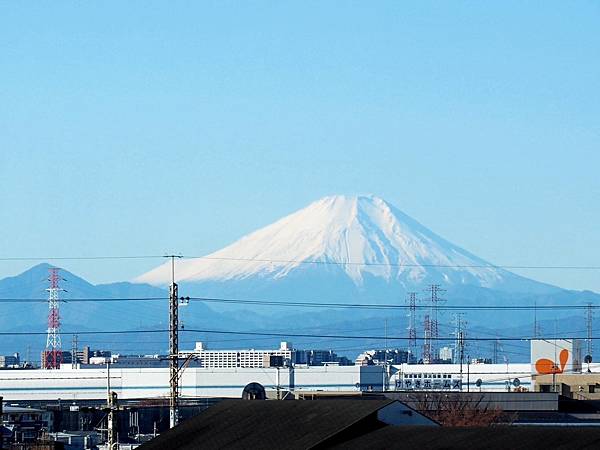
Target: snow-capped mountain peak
[364, 236]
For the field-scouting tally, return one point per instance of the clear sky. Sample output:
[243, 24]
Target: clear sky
[131, 128]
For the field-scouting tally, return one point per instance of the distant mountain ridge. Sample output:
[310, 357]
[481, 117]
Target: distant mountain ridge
[32, 284]
[88, 316]
[92, 312]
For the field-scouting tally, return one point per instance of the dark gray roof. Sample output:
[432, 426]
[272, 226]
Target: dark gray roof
[490, 438]
[268, 424]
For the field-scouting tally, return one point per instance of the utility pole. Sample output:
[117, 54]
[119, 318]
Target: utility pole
[589, 319]
[496, 345]
[278, 384]
[386, 339]
[74, 352]
[173, 347]
[459, 345]
[461, 340]
[385, 356]
[112, 437]
[555, 363]
[2, 415]
[468, 375]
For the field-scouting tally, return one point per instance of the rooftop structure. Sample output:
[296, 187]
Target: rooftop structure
[379, 357]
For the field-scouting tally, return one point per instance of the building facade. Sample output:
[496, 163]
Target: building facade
[231, 359]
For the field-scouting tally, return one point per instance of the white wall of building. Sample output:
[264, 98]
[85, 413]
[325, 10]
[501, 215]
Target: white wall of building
[137, 383]
[555, 355]
[448, 377]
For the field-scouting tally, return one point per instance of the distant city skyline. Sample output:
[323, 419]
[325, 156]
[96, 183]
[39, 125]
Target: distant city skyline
[180, 128]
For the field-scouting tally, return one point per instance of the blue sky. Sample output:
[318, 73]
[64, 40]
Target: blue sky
[148, 127]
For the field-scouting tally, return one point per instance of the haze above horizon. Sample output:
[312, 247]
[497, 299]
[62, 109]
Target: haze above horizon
[133, 129]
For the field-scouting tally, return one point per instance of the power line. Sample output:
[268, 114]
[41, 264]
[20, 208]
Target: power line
[313, 262]
[398, 338]
[282, 334]
[388, 306]
[351, 263]
[38, 333]
[307, 304]
[68, 300]
[76, 258]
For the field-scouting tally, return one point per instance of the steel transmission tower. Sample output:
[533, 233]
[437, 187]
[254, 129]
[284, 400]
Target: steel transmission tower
[427, 347]
[411, 299]
[537, 329]
[433, 290]
[53, 353]
[459, 337]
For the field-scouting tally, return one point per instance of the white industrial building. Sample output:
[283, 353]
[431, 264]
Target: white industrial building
[469, 377]
[227, 373]
[231, 359]
[90, 383]
[547, 356]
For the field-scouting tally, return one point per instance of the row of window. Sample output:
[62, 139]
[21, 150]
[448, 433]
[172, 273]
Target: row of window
[247, 353]
[427, 375]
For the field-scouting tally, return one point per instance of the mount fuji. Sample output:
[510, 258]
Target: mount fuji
[339, 249]
[343, 248]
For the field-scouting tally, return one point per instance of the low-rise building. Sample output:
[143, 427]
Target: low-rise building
[382, 357]
[580, 386]
[250, 358]
[319, 358]
[25, 424]
[10, 361]
[446, 354]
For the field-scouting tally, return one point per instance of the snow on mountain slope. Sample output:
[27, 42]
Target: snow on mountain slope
[364, 236]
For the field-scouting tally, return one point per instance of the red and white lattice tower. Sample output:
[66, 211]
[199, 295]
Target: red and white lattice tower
[53, 353]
